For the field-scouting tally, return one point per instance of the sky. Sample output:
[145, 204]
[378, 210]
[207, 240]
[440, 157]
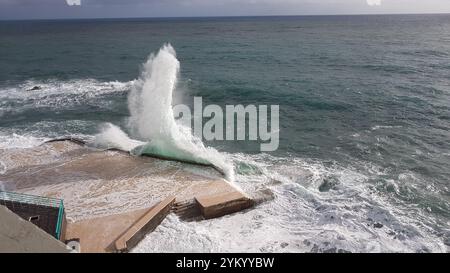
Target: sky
[68, 9]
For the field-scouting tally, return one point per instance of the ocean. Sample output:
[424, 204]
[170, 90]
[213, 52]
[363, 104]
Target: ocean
[363, 163]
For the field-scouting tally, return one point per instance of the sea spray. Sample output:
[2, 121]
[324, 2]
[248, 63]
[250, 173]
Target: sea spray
[112, 136]
[152, 120]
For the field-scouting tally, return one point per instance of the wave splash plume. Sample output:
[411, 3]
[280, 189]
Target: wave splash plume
[152, 121]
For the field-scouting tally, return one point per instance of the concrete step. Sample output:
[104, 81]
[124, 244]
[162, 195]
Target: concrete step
[187, 210]
[147, 223]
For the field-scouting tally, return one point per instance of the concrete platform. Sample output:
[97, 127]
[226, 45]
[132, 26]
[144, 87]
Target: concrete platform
[95, 183]
[97, 235]
[217, 205]
[119, 232]
[113, 199]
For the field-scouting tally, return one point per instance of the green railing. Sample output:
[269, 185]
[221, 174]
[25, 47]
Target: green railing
[36, 200]
[60, 220]
[29, 199]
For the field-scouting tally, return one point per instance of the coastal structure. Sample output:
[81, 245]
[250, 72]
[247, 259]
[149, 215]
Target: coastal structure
[19, 235]
[46, 213]
[112, 200]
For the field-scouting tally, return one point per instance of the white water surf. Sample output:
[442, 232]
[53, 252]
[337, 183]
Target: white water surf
[152, 126]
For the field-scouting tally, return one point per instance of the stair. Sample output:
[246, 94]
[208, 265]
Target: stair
[187, 210]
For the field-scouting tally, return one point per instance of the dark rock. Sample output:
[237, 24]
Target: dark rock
[447, 239]
[330, 250]
[377, 225]
[328, 184]
[314, 249]
[391, 233]
[35, 88]
[283, 245]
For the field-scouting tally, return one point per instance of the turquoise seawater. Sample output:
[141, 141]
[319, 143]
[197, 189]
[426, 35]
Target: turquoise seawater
[364, 156]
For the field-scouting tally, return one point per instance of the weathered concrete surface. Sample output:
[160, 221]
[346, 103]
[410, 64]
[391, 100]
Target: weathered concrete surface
[95, 183]
[147, 223]
[20, 236]
[217, 205]
[105, 192]
[97, 235]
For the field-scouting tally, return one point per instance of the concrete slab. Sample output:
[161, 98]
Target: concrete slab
[212, 206]
[97, 235]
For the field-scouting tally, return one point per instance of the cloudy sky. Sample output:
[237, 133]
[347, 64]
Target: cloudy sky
[50, 9]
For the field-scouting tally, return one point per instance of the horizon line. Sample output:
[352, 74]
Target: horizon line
[222, 16]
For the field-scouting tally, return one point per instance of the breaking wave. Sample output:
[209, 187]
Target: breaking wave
[152, 120]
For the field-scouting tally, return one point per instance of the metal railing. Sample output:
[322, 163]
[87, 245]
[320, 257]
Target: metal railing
[60, 220]
[23, 198]
[29, 199]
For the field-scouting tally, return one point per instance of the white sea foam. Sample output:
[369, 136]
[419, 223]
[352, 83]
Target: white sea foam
[57, 87]
[37, 133]
[8, 141]
[57, 93]
[378, 127]
[349, 216]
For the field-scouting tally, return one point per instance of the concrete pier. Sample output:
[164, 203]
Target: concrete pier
[113, 199]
